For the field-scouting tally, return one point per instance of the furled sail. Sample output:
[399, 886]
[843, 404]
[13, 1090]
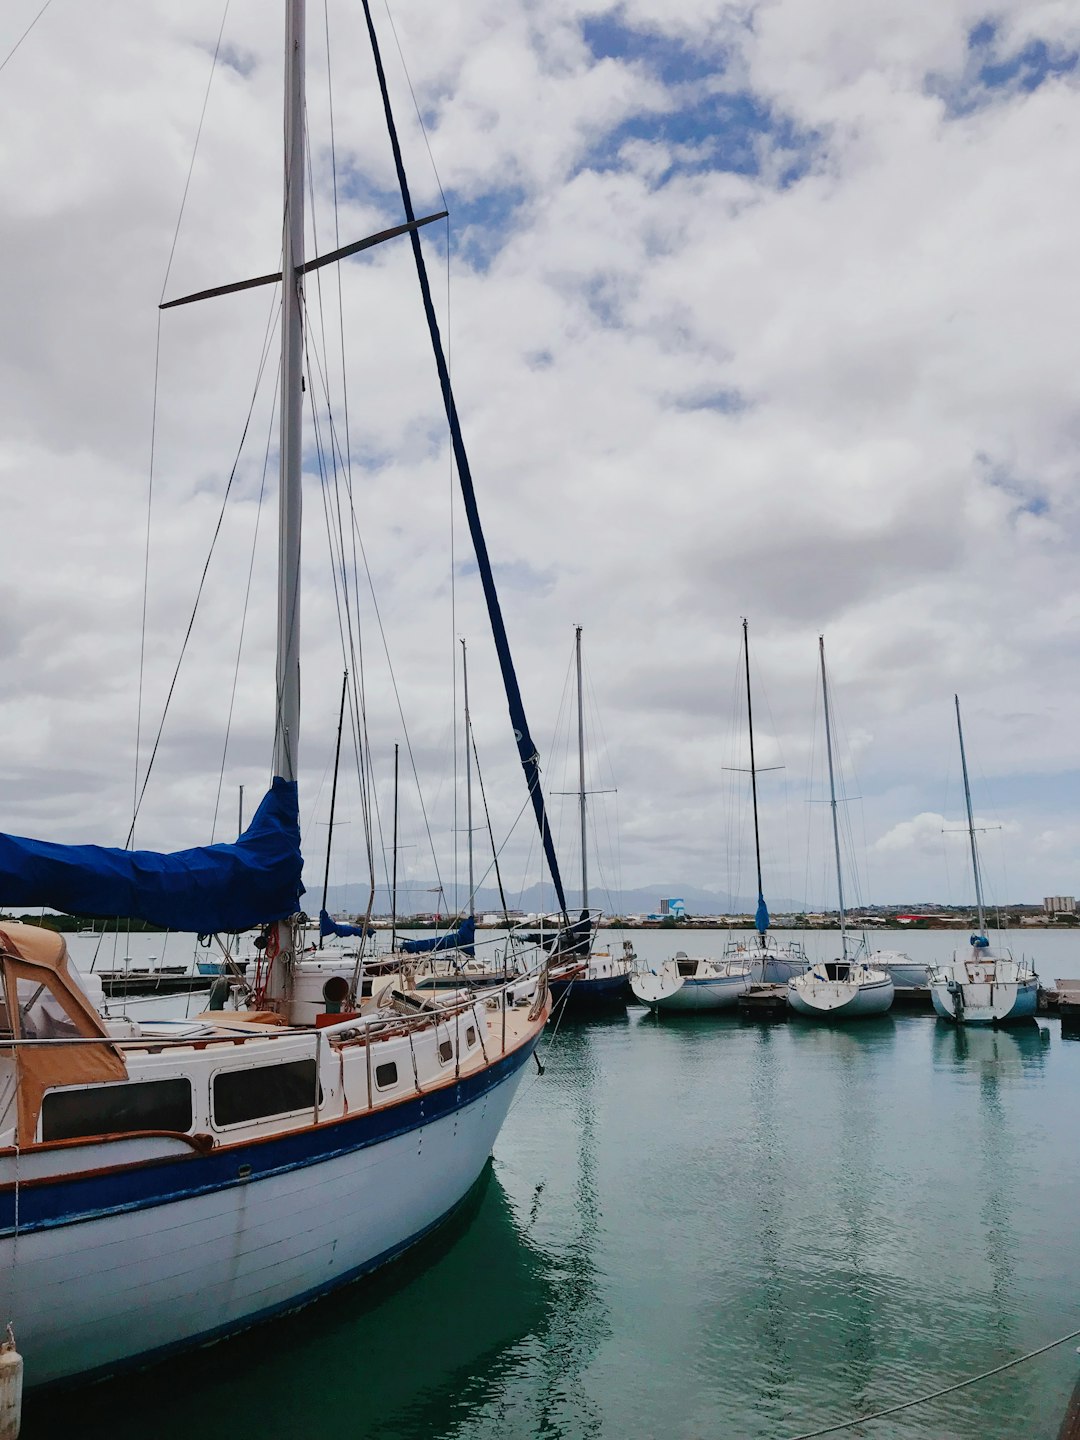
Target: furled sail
[460, 939]
[205, 890]
[761, 919]
[329, 926]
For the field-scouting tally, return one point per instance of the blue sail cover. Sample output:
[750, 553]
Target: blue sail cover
[206, 890]
[460, 939]
[761, 919]
[329, 926]
[980, 942]
[530, 759]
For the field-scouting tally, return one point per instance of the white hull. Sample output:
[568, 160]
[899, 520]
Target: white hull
[712, 986]
[985, 988]
[815, 995]
[94, 1295]
[773, 965]
[905, 974]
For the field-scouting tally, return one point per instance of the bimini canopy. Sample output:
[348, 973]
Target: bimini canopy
[209, 889]
[460, 939]
[40, 999]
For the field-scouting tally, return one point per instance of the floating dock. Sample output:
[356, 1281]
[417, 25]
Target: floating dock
[119, 983]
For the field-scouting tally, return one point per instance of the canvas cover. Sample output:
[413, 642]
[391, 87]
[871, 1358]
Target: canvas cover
[42, 996]
[205, 890]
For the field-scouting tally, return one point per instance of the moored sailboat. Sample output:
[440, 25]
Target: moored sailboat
[986, 986]
[582, 972]
[771, 963]
[280, 1159]
[847, 988]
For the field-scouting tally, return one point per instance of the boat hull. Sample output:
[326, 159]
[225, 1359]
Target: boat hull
[118, 1267]
[842, 999]
[661, 992]
[592, 991]
[1004, 1003]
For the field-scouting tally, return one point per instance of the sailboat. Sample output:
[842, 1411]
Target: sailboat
[847, 988]
[986, 986]
[580, 971]
[164, 1185]
[771, 963]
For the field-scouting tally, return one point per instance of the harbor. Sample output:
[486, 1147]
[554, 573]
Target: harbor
[606, 322]
[758, 1230]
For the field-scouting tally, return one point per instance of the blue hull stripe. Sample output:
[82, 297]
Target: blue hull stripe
[65, 1201]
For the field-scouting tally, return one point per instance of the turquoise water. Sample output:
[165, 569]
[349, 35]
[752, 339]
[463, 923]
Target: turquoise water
[696, 1228]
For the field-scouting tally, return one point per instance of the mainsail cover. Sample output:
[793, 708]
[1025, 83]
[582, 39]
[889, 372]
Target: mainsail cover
[761, 919]
[329, 926]
[205, 890]
[460, 939]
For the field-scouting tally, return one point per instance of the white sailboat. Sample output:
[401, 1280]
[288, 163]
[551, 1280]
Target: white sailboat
[848, 988]
[163, 1185]
[771, 963]
[598, 977]
[686, 982]
[906, 973]
[985, 986]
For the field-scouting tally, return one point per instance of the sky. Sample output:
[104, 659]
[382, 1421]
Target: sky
[764, 309]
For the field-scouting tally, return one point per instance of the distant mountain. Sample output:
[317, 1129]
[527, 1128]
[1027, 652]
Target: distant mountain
[422, 896]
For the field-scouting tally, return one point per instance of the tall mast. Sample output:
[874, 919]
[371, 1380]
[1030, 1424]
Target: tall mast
[832, 794]
[761, 919]
[333, 797]
[393, 891]
[971, 822]
[581, 772]
[287, 733]
[468, 774]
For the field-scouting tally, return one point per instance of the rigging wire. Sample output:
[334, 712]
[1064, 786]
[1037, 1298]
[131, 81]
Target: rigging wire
[141, 793]
[936, 1394]
[136, 799]
[26, 32]
[246, 606]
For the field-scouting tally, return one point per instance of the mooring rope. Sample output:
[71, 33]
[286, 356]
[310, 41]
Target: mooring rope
[936, 1394]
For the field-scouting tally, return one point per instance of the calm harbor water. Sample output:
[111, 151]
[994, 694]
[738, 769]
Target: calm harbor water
[698, 1227]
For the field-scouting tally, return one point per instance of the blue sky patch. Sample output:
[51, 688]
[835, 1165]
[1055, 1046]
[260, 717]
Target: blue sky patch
[992, 73]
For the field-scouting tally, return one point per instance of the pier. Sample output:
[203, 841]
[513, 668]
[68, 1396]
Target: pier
[119, 983]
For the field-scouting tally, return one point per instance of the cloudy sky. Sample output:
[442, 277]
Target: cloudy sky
[765, 309]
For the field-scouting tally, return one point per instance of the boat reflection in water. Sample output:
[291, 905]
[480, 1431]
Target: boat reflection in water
[410, 1354]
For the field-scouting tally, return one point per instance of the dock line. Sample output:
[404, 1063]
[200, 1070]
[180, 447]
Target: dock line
[935, 1394]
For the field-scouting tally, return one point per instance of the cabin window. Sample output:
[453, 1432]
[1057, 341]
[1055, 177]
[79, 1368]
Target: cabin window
[470, 1036]
[446, 1051]
[116, 1109]
[386, 1074]
[264, 1090]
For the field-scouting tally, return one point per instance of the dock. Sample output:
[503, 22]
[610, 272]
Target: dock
[170, 981]
[1068, 1003]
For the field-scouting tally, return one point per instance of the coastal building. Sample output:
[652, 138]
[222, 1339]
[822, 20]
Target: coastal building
[1059, 905]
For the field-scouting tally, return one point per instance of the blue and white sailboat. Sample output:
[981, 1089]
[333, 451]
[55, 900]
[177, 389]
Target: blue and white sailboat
[279, 1159]
[986, 986]
[771, 963]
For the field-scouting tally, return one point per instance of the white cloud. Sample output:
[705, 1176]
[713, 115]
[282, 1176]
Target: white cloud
[841, 403]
